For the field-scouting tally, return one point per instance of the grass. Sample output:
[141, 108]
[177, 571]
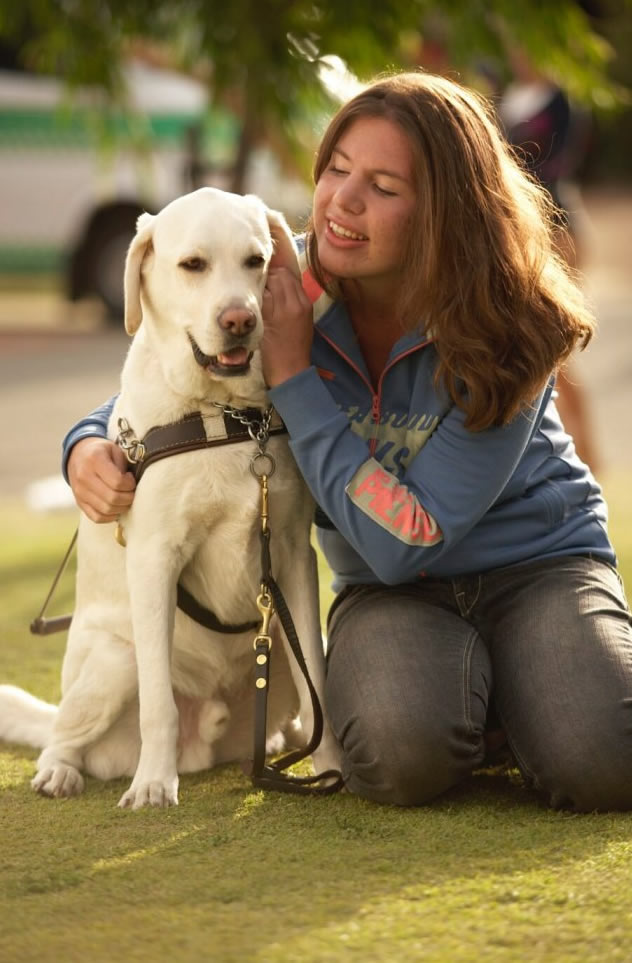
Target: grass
[232, 874]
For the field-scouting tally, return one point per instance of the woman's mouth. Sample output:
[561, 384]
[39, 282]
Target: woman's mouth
[343, 232]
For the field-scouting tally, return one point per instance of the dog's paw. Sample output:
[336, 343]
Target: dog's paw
[160, 793]
[59, 780]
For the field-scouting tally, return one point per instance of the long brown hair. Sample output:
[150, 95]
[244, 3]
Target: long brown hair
[480, 268]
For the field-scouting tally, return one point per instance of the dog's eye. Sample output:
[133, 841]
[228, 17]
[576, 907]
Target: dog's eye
[255, 261]
[193, 264]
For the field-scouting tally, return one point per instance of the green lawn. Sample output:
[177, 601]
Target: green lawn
[487, 873]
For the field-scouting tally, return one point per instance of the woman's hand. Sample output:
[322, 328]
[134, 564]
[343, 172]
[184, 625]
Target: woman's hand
[98, 475]
[288, 326]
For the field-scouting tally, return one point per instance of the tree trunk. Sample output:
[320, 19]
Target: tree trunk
[247, 141]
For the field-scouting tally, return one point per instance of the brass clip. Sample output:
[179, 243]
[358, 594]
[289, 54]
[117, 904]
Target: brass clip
[266, 607]
[264, 502]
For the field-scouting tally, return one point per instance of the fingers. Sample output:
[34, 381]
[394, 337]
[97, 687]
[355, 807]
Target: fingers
[284, 298]
[288, 327]
[98, 475]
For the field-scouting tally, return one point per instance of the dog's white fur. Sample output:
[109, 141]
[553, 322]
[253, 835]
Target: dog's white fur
[147, 692]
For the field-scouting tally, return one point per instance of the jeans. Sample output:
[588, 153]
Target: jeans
[412, 671]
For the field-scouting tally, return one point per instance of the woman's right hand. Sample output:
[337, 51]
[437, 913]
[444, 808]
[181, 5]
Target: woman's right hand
[99, 477]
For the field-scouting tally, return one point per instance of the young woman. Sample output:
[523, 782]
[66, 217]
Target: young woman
[414, 370]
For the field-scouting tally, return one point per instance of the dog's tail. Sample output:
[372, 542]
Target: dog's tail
[24, 719]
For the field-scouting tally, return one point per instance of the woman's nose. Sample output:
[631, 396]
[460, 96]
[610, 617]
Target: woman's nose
[349, 196]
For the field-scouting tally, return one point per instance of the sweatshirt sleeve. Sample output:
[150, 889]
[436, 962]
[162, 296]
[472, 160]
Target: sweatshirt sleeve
[95, 425]
[398, 525]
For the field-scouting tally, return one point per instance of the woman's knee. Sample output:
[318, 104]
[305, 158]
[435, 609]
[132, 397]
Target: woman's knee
[406, 691]
[585, 782]
[584, 765]
[405, 762]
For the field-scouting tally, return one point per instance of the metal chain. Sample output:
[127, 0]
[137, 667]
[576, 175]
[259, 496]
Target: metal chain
[259, 431]
[262, 465]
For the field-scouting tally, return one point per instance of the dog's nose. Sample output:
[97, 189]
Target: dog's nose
[238, 321]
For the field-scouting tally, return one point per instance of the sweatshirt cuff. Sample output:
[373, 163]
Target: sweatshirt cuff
[86, 430]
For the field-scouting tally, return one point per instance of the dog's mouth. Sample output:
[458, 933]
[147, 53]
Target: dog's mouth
[234, 361]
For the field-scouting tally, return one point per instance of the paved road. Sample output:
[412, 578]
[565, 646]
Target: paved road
[57, 362]
[47, 380]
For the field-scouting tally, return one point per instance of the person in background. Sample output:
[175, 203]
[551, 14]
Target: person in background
[414, 367]
[551, 136]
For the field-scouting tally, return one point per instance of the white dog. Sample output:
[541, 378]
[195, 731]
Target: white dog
[147, 691]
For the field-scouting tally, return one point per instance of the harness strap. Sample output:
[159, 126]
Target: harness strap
[192, 434]
[191, 607]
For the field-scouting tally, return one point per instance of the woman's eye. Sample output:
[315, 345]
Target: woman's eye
[193, 264]
[384, 191]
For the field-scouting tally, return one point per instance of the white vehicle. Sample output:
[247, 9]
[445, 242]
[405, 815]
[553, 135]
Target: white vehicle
[69, 205]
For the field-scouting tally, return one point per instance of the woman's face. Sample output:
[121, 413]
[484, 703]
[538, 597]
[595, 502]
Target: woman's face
[363, 204]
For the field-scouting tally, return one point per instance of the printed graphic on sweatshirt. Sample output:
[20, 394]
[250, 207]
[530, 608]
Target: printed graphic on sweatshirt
[397, 438]
[391, 505]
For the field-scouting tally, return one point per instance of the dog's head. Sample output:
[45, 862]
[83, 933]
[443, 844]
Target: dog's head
[195, 275]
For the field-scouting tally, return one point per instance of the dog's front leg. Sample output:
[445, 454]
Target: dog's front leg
[302, 597]
[152, 571]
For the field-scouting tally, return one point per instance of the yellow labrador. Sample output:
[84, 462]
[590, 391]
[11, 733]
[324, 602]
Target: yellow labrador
[148, 692]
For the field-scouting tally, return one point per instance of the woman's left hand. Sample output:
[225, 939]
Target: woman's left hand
[288, 327]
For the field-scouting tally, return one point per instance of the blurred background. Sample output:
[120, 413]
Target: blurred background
[111, 108]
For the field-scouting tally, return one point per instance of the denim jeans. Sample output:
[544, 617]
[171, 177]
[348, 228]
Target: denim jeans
[413, 670]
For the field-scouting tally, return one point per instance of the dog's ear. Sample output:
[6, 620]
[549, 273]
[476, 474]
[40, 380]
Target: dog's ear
[133, 264]
[284, 248]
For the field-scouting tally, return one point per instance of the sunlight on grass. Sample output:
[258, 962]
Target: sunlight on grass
[249, 806]
[116, 862]
[14, 771]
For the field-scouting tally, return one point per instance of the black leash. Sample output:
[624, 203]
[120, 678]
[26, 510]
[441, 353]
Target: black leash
[272, 776]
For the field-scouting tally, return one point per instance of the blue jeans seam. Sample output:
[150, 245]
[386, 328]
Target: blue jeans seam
[467, 679]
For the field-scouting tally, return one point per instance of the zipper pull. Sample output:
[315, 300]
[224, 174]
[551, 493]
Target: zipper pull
[375, 408]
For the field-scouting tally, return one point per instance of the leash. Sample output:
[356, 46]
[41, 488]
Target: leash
[271, 601]
[46, 626]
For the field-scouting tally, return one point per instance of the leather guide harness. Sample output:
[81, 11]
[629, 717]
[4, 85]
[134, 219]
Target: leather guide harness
[189, 434]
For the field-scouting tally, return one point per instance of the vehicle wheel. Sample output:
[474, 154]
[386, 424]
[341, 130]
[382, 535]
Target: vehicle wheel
[104, 259]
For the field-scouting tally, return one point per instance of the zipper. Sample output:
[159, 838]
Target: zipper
[376, 396]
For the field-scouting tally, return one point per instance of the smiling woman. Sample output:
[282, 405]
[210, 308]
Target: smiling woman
[414, 365]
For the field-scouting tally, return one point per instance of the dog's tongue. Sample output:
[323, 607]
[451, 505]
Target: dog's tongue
[236, 357]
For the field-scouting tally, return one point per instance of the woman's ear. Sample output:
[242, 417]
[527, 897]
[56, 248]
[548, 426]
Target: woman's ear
[285, 254]
[138, 249]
